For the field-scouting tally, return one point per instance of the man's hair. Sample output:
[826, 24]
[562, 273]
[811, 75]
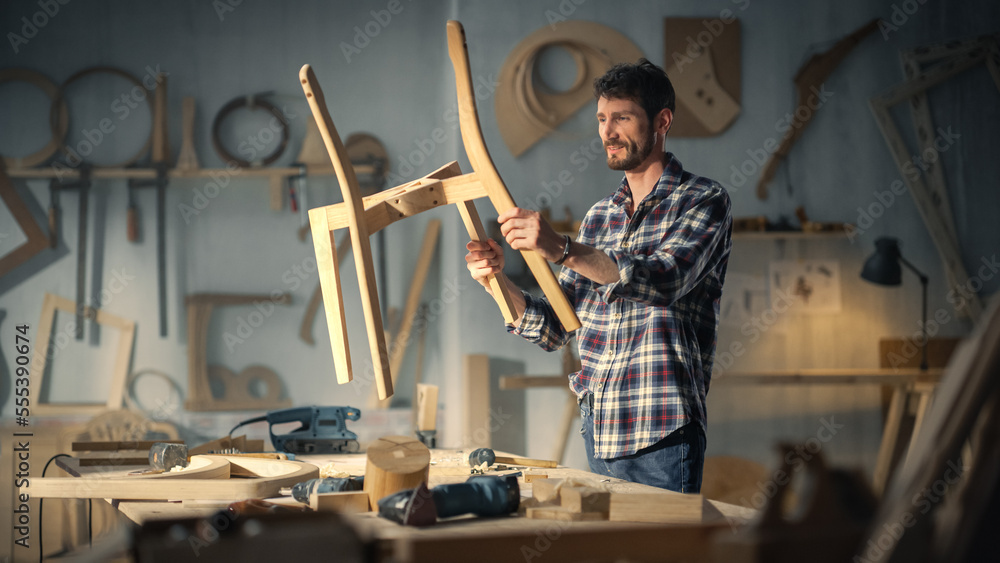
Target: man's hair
[642, 82]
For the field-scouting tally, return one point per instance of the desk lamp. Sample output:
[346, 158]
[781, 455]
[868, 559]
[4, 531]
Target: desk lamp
[883, 268]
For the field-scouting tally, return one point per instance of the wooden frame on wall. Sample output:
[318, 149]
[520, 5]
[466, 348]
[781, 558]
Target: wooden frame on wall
[52, 303]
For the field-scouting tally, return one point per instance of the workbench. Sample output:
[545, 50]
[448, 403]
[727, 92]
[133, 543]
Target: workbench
[503, 538]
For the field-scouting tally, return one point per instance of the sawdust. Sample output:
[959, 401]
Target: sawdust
[329, 470]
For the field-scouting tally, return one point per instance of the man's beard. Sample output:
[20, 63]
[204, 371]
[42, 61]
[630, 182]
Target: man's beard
[634, 154]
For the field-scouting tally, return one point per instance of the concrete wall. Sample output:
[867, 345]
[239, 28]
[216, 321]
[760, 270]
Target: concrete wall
[397, 83]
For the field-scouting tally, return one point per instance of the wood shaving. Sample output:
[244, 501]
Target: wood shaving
[329, 470]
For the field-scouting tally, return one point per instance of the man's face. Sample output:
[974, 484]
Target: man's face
[625, 131]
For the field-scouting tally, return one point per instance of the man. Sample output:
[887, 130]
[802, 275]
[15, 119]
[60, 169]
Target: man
[645, 276]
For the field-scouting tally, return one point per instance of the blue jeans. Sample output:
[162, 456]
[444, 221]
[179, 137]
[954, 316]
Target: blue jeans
[673, 463]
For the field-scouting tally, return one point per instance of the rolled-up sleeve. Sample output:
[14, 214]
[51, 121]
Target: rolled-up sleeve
[690, 249]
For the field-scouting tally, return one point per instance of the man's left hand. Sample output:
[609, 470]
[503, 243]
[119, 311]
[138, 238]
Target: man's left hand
[527, 230]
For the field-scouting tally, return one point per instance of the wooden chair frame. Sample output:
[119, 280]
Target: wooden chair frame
[365, 216]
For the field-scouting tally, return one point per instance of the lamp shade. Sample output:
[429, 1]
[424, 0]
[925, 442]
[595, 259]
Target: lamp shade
[883, 267]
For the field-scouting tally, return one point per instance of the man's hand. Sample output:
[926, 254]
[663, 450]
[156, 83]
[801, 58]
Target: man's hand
[526, 230]
[484, 258]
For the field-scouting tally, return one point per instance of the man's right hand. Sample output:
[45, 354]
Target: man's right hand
[484, 258]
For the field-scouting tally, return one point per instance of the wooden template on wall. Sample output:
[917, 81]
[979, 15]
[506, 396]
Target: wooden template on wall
[123, 355]
[37, 241]
[708, 100]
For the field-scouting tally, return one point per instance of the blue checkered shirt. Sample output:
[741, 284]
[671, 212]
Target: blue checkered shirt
[647, 341]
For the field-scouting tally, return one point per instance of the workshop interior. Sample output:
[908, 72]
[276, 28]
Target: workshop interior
[236, 320]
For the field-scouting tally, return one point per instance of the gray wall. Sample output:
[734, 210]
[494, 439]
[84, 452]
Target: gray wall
[399, 88]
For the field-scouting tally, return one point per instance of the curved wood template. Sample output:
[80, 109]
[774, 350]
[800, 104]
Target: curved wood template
[811, 76]
[275, 474]
[526, 111]
[486, 172]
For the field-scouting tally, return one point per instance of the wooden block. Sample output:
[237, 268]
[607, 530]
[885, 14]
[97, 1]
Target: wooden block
[532, 477]
[427, 406]
[585, 499]
[347, 501]
[477, 401]
[544, 490]
[563, 514]
[395, 463]
[665, 507]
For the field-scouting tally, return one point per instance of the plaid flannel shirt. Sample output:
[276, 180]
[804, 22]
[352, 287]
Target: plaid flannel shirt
[647, 341]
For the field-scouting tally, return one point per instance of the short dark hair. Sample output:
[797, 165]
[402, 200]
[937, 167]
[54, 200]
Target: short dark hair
[643, 82]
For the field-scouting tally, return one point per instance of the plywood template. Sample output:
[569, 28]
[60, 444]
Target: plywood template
[930, 191]
[365, 216]
[123, 356]
[707, 80]
[236, 395]
[809, 78]
[527, 110]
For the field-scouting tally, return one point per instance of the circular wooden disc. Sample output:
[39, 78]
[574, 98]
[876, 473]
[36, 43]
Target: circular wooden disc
[399, 454]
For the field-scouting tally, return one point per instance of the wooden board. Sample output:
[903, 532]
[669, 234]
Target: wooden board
[476, 382]
[486, 172]
[359, 232]
[348, 501]
[277, 474]
[123, 355]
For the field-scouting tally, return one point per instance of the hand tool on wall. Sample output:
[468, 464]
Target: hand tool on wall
[322, 430]
[82, 185]
[480, 456]
[481, 495]
[808, 80]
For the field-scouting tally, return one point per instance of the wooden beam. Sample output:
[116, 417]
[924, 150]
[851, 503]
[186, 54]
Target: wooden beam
[358, 227]
[486, 172]
[474, 226]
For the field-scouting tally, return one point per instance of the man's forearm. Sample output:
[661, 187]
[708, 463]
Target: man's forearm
[592, 263]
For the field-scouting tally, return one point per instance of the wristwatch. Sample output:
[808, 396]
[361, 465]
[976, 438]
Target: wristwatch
[565, 253]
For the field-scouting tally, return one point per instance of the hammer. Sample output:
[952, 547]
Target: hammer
[164, 456]
[489, 457]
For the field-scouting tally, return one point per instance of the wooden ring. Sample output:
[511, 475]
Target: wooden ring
[133, 403]
[252, 102]
[39, 80]
[109, 70]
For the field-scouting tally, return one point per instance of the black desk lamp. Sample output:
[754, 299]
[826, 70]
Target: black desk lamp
[883, 268]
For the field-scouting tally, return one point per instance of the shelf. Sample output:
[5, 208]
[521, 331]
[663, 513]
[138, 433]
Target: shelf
[781, 235]
[150, 173]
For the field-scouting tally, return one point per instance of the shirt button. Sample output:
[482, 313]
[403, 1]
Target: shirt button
[625, 244]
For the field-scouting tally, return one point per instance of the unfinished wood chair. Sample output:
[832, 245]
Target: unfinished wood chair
[366, 216]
